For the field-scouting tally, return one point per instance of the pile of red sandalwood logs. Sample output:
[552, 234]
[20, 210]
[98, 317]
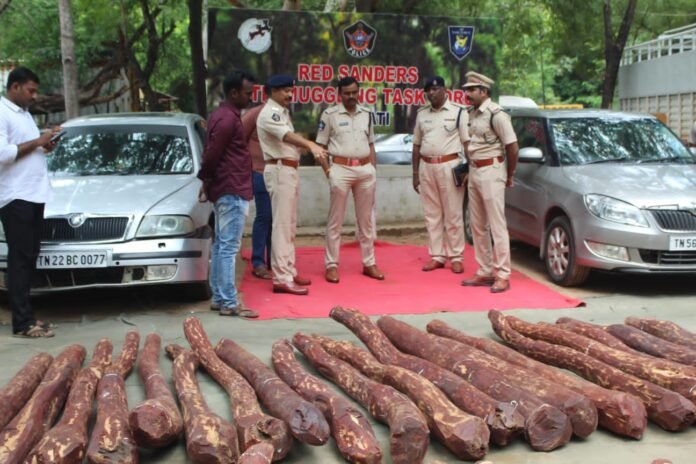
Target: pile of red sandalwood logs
[464, 391]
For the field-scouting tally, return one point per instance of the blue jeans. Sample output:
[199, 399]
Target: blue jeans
[263, 224]
[230, 214]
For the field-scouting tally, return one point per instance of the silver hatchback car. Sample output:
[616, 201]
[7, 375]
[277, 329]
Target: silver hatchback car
[603, 190]
[125, 207]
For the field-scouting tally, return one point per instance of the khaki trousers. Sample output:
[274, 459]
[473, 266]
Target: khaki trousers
[282, 183]
[362, 181]
[487, 214]
[442, 210]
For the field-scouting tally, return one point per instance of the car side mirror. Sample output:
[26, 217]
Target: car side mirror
[531, 155]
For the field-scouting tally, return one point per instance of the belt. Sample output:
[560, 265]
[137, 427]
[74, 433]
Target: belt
[439, 159]
[285, 162]
[487, 162]
[344, 161]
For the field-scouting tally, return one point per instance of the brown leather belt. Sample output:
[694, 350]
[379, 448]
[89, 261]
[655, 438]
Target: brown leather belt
[285, 162]
[487, 162]
[439, 159]
[344, 161]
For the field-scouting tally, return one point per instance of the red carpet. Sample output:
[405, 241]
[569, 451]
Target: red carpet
[405, 290]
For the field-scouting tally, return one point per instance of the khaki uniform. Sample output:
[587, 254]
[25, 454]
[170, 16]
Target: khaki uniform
[283, 184]
[348, 138]
[437, 134]
[487, 188]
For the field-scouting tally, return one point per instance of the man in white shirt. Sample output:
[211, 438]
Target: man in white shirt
[24, 190]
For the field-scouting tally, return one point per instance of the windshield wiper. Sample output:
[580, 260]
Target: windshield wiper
[668, 159]
[622, 159]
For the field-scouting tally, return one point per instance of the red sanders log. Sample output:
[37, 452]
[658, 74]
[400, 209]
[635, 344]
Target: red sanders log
[260, 453]
[112, 439]
[666, 408]
[653, 345]
[546, 426]
[18, 390]
[32, 421]
[67, 441]
[503, 421]
[595, 332]
[306, 422]
[664, 329]
[350, 429]
[668, 374]
[619, 412]
[156, 422]
[409, 436]
[209, 438]
[464, 435]
[253, 425]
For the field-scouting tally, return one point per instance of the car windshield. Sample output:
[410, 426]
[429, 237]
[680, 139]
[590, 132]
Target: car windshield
[605, 140]
[122, 150]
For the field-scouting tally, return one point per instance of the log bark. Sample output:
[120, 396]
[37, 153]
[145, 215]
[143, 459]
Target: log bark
[67, 441]
[653, 345]
[466, 436]
[664, 329]
[260, 453]
[409, 435]
[209, 438]
[595, 332]
[668, 409]
[619, 412]
[19, 389]
[37, 416]
[502, 419]
[156, 422]
[112, 439]
[668, 374]
[546, 426]
[306, 422]
[253, 425]
[351, 431]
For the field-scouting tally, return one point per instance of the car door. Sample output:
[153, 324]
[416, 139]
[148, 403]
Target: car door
[526, 201]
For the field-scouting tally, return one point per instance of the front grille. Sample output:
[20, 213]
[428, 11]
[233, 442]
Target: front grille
[60, 278]
[93, 230]
[680, 220]
[668, 257]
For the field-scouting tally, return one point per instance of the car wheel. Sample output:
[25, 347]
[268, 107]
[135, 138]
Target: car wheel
[197, 291]
[468, 235]
[560, 254]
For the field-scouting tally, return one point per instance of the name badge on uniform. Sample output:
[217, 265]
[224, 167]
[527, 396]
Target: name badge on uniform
[275, 117]
[344, 123]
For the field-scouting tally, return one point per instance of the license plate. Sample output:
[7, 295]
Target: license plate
[72, 260]
[687, 243]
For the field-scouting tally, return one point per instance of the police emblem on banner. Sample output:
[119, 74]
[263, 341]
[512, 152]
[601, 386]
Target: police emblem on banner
[461, 38]
[255, 34]
[359, 39]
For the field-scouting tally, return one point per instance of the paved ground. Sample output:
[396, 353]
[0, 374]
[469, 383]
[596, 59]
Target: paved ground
[85, 317]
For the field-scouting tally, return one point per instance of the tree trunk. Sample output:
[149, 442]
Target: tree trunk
[4, 4]
[367, 6]
[294, 5]
[613, 48]
[67, 49]
[195, 34]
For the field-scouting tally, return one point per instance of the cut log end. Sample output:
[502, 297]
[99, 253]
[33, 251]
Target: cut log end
[548, 428]
[155, 424]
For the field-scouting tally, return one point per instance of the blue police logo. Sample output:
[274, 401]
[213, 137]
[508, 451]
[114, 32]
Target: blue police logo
[461, 38]
[322, 125]
[359, 39]
[275, 117]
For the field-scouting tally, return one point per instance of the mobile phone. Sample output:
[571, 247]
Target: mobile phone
[58, 136]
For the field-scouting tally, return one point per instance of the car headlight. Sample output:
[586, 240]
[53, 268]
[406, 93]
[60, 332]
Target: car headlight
[165, 226]
[615, 210]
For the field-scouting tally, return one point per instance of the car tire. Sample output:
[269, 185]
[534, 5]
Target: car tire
[197, 291]
[560, 255]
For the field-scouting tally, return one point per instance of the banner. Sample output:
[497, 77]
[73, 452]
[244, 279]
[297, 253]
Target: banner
[390, 55]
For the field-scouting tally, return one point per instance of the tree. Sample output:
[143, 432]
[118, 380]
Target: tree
[67, 47]
[613, 48]
[195, 35]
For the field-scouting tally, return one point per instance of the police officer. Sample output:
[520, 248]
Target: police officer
[492, 155]
[438, 138]
[280, 144]
[346, 129]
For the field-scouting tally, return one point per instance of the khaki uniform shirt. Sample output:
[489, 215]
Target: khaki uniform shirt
[489, 138]
[345, 134]
[436, 131]
[272, 125]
